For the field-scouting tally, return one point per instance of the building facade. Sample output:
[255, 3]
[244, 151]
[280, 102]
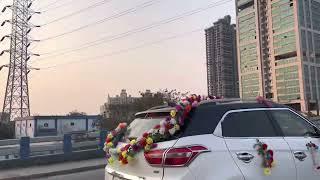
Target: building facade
[37, 126]
[278, 45]
[122, 99]
[222, 72]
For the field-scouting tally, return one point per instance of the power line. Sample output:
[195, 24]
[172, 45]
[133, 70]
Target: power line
[59, 6]
[78, 12]
[131, 10]
[50, 4]
[124, 50]
[135, 31]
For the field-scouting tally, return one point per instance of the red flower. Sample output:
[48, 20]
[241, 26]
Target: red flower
[199, 98]
[185, 114]
[135, 148]
[157, 126]
[270, 152]
[124, 161]
[120, 157]
[142, 142]
[108, 140]
[169, 126]
[271, 160]
[188, 108]
[145, 135]
[123, 149]
[127, 147]
[260, 99]
[122, 125]
[264, 146]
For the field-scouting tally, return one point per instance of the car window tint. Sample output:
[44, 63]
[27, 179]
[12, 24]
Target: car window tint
[292, 124]
[204, 119]
[248, 124]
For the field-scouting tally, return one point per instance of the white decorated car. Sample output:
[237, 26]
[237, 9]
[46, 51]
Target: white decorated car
[220, 142]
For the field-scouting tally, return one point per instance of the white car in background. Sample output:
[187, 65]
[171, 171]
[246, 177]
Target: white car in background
[217, 144]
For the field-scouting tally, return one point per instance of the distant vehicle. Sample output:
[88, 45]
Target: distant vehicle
[218, 143]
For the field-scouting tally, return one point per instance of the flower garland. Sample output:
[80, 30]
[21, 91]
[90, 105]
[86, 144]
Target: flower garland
[313, 148]
[267, 157]
[163, 131]
[262, 100]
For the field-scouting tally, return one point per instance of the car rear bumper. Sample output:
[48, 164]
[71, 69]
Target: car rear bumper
[170, 174]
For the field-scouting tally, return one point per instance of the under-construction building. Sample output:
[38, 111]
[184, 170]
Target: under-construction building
[222, 71]
[279, 51]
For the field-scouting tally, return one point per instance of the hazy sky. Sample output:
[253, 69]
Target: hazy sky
[175, 64]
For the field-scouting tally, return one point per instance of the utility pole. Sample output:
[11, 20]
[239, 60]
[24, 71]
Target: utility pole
[16, 100]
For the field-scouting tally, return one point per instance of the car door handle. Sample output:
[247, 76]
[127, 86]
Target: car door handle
[301, 156]
[245, 157]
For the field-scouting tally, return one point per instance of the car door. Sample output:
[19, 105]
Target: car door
[298, 132]
[242, 129]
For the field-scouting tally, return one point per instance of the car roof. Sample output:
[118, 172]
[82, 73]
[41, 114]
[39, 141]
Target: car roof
[228, 104]
[166, 109]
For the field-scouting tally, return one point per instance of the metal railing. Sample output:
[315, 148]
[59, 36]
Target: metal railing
[25, 147]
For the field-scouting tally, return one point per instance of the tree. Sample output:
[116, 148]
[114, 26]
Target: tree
[6, 127]
[76, 113]
[125, 112]
[172, 96]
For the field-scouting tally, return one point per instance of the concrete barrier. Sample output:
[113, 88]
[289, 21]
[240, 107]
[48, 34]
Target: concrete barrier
[50, 149]
[50, 159]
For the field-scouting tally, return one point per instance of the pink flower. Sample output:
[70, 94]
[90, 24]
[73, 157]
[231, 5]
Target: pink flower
[195, 104]
[178, 108]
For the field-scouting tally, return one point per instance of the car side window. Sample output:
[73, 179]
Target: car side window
[248, 124]
[293, 125]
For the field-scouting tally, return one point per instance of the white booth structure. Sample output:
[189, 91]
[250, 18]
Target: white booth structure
[37, 126]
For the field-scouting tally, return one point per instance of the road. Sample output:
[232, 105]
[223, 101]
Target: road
[93, 175]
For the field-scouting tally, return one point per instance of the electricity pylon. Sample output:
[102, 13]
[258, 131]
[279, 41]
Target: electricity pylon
[16, 100]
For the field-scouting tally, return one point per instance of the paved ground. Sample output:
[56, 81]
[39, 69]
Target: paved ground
[88, 175]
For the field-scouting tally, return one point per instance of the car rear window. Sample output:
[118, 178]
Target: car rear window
[144, 122]
[141, 125]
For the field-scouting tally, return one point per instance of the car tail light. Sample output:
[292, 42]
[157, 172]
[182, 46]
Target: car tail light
[174, 157]
[155, 157]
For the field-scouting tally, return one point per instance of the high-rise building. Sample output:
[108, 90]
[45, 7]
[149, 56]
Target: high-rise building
[222, 76]
[278, 45]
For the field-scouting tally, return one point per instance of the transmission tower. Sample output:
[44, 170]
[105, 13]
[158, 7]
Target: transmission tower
[16, 100]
